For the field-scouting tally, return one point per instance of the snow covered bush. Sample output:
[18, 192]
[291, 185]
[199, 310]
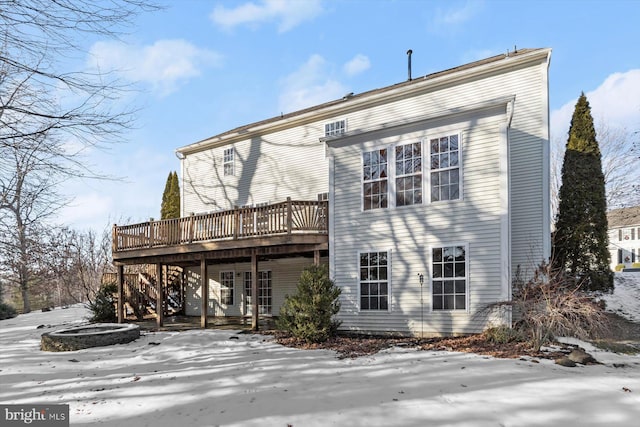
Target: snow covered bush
[309, 314]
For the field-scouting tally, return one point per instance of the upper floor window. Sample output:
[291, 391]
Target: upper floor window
[335, 128]
[449, 278]
[226, 287]
[374, 281]
[445, 168]
[375, 182]
[409, 174]
[229, 161]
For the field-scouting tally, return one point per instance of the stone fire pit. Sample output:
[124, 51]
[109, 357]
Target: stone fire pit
[86, 336]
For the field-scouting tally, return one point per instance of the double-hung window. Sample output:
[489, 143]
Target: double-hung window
[449, 278]
[408, 174]
[445, 168]
[226, 287]
[229, 161]
[375, 184]
[374, 281]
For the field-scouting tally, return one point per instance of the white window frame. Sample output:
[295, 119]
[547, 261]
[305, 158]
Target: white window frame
[430, 172]
[387, 179]
[247, 278]
[228, 161]
[224, 287]
[396, 175]
[335, 128]
[453, 278]
[388, 281]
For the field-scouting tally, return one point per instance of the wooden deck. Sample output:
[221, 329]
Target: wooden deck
[286, 227]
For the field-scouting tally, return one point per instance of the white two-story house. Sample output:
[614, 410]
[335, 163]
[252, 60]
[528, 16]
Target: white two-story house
[423, 197]
[624, 237]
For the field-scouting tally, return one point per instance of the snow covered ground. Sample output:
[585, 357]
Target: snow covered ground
[213, 377]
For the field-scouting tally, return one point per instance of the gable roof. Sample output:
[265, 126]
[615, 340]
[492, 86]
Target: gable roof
[624, 217]
[245, 129]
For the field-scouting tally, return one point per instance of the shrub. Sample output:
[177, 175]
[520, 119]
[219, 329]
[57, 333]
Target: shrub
[502, 334]
[619, 267]
[7, 311]
[635, 265]
[103, 308]
[308, 314]
[550, 304]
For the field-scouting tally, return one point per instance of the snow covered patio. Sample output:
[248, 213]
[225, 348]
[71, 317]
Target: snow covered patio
[220, 377]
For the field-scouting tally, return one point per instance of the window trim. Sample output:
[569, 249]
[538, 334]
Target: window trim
[222, 286]
[231, 161]
[427, 164]
[466, 278]
[390, 181]
[389, 282]
[334, 133]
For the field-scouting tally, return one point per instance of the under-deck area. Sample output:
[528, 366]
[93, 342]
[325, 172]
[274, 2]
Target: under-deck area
[250, 235]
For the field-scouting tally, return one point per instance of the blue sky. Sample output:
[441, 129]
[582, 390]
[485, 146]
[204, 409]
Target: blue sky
[203, 67]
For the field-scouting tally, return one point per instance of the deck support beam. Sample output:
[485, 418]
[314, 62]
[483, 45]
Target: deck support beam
[204, 285]
[316, 258]
[254, 291]
[120, 306]
[159, 297]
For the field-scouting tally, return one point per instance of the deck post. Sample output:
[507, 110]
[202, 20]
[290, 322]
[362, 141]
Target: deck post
[254, 292]
[159, 297]
[289, 215]
[204, 286]
[150, 232]
[120, 307]
[316, 258]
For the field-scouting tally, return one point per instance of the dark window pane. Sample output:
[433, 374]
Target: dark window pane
[437, 270]
[437, 302]
[435, 162]
[460, 271]
[444, 144]
[364, 303]
[448, 287]
[460, 286]
[460, 253]
[373, 289]
[434, 145]
[364, 260]
[374, 304]
[383, 258]
[448, 270]
[437, 255]
[382, 273]
[383, 288]
[453, 159]
[383, 155]
[444, 160]
[384, 305]
[453, 142]
[373, 273]
[364, 274]
[460, 302]
[448, 302]
[437, 287]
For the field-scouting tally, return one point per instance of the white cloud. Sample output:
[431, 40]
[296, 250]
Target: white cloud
[616, 102]
[456, 16]
[310, 85]
[357, 65]
[287, 13]
[165, 65]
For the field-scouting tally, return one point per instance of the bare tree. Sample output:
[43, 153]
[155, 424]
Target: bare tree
[620, 166]
[51, 116]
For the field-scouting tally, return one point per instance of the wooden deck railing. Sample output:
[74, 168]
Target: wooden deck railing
[287, 217]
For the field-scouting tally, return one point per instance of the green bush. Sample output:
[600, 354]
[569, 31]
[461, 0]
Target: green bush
[7, 311]
[308, 315]
[103, 308]
[502, 334]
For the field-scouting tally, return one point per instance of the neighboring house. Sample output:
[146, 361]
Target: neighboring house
[624, 236]
[423, 197]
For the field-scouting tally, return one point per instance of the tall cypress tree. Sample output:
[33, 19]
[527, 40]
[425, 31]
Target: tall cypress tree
[170, 207]
[580, 240]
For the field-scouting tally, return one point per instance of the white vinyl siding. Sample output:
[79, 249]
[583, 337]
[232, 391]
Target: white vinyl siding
[284, 274]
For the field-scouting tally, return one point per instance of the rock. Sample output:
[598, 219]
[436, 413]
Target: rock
[581, 357]
[565, 361]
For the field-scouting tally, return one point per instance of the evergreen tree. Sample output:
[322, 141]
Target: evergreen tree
[308, 314]
[170, 207]
[580, 240]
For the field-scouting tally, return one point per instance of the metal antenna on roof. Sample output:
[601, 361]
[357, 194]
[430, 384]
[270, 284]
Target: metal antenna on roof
[409, 52]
